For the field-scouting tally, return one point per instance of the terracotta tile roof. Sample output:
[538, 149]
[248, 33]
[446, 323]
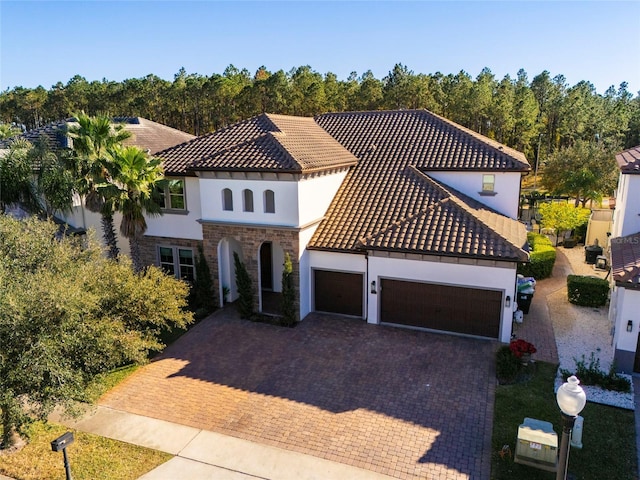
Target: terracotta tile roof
[388, 202]
[264, 143]
[629, 160]
[625, 259]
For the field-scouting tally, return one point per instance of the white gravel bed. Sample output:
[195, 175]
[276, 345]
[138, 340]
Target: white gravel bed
[606, 397]
[584, 330]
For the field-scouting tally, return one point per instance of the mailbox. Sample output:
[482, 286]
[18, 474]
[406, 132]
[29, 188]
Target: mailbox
[537, 445]
[62, 442]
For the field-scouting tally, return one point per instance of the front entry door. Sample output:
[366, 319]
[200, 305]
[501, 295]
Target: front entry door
[266, 266]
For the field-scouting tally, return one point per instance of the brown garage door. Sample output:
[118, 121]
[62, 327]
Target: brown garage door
[338, 292]
[441, 307]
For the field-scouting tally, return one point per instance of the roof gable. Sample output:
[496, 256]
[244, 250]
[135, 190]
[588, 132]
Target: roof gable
[629, 160]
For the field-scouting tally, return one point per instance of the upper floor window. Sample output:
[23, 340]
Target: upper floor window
[488, 183]
[227, 200]
[171, 194]
[178, 262]
[247, 200]
[269, 201]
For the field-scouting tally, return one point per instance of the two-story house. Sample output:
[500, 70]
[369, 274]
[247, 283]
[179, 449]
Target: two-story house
[395, 217]
[624, 308]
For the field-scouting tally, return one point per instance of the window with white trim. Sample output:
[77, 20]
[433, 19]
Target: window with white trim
[269, 201]
[247, 200]
[488, 183]
[171, 194]
[177, 261]
[227, 200]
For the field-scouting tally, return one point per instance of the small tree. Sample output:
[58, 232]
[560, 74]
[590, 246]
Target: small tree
[288, 293]
[201, 296]
[245, 288]
[66, 314]
[562, 216]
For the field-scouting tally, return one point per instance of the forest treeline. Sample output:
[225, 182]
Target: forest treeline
[544, 113]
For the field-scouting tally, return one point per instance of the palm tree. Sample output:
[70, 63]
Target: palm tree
[137, 176]
[16, 172]
[92, 138]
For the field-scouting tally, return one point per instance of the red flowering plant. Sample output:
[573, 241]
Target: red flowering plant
[520, 347]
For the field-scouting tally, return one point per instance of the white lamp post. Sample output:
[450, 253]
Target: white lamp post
[571, 400]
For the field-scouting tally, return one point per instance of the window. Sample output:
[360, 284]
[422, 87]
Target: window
[227, 200]
[247, 199]
[488, 183]
[171, 195]
[178, 262]
[269, 201]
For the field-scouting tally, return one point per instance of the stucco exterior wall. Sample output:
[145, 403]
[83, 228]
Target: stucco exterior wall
[507, 188]
[627, 307]
[180, 224]
[626, 219]
[315, 195]
[286, 201]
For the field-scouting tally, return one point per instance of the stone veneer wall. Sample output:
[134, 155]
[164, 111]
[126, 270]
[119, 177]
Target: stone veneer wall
[250, 238]
[149, 248]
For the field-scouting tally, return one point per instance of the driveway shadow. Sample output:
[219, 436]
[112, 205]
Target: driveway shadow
[401, 402]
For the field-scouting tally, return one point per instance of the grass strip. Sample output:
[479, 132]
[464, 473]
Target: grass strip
[91, 457]
[609, 440]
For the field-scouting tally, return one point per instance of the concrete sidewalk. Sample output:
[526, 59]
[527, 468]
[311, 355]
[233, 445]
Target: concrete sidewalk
[202, 454]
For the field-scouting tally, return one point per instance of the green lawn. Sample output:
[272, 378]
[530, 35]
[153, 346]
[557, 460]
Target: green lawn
[609, 448]
[91, 457]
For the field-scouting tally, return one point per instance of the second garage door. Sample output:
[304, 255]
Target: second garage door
[338, 292]
[441, 307]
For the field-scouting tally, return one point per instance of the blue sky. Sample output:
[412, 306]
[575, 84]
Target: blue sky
[46, 42]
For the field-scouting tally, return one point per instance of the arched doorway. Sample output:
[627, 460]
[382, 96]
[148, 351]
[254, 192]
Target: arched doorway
[227, 270]
[271, 261]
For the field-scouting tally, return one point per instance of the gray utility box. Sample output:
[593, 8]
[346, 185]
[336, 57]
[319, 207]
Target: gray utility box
[537, 445]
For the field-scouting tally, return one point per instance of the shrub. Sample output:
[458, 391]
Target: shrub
[542, 257]
[201, 300]
[587, 291]
[507, 365]
[591, 374]
[288, 294]
[245, 288]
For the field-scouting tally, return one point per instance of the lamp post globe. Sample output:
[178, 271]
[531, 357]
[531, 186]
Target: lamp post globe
[571, 400]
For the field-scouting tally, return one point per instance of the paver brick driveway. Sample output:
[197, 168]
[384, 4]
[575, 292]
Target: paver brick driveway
[404, 403]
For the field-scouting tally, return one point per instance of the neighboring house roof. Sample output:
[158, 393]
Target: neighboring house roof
[388, 202]
[266, 143]
[146, 134]
[629, 160]
[625, 259]
[150, 135]
[56, 134]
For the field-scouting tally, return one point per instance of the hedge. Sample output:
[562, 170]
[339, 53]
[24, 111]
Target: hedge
[542, 257]
[587, 291]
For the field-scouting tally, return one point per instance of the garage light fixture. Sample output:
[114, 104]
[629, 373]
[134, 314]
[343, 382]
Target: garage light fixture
[374, 290]
[630, 326]
[507, 301]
